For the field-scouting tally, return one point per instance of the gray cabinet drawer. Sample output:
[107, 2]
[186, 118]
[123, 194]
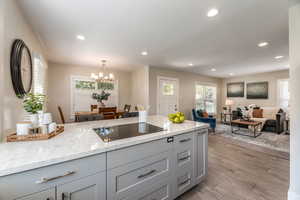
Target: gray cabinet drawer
[184, 140]
[185, 157]
[158, 191]
[134, 177]
[183, 182]
[18, 185]
[137, 152]
[160, 194]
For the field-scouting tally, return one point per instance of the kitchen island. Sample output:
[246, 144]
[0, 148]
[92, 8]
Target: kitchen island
[78, 164]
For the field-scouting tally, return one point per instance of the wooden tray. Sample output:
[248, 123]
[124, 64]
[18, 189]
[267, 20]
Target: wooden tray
[33, 137]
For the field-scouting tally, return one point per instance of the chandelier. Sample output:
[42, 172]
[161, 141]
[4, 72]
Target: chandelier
[102, 76]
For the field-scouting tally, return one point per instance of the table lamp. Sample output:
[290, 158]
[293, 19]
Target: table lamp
[229, 103]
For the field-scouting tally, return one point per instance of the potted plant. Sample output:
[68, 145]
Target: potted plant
[103, 96]
[33, 103]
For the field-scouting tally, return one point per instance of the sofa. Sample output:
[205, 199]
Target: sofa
[272, 118]
[197, 116]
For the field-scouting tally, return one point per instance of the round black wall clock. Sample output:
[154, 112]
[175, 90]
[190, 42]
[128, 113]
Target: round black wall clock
[21, 68]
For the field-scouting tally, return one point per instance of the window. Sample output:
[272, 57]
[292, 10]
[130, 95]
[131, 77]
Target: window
[82, 90]
[168, 89]
[39, 74]
[284, 94]
[206, 98]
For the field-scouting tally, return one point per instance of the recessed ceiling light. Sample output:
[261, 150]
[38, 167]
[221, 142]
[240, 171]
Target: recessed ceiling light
[231, 74]
[191, 64]
[278, 57]
[213, 70]
[144, 53]
[212, 12]
[263, 44]
[80, 37]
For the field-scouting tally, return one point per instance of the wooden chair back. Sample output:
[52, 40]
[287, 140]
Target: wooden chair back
[108, 112]
[61, 114]
[94, 107]
[127, 108]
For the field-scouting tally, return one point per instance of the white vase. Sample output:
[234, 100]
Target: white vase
[34, 119]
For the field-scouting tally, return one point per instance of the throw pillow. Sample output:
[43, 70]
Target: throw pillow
[200, 113]
[257, 113]
[205, 114]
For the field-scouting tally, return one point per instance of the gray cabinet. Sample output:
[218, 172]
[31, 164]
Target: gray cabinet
[86, 176]
[157, 170]
[88, 188]
[134, 177]
[183, 178]
[44, 195]
[200, 155]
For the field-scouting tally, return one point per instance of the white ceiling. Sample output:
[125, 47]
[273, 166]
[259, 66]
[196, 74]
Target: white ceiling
[174, 32]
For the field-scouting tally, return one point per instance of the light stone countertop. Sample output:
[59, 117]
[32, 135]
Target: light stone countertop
[78, 141]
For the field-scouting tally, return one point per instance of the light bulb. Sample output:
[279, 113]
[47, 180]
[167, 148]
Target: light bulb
[111, 76]
[101, 75]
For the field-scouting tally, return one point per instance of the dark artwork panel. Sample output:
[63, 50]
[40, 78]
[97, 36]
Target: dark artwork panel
[235, 89]
[258, 90]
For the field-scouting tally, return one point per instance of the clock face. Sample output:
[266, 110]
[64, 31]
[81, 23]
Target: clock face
[21, 68]
[25, 69]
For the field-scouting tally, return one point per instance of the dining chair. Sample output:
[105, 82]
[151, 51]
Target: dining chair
[94, 107]
[127, 108]
[61, 114]
[108, 112]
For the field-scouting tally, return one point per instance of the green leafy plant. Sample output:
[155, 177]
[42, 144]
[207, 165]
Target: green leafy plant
[103, 96]
[33, 103]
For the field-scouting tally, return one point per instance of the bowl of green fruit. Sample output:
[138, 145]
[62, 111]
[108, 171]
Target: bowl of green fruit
[177, 117]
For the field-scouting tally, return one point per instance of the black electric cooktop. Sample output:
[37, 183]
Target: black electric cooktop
[108, 134]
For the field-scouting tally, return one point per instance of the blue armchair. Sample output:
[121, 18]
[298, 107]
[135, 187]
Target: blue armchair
[210, 120]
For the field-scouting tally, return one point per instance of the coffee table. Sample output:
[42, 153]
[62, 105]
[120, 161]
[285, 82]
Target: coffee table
[254, 127]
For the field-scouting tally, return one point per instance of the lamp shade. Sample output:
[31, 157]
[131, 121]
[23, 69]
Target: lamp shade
[229, 102]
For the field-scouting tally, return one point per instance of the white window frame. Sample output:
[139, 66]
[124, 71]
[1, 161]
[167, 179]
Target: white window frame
[278, 92]
[207, 84]
[87, 78]
[42, 78]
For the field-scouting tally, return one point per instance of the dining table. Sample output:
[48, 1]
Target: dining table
[78, 114]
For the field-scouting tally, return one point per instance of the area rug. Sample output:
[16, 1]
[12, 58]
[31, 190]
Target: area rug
[279, 142]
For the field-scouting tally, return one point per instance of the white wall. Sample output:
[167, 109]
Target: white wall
[187, 82]
[59, 86]
[2, 9]
[15, 26]
[271, 77]
[294, 37]
[140, 87]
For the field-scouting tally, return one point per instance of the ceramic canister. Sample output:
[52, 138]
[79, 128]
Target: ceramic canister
[23, 128]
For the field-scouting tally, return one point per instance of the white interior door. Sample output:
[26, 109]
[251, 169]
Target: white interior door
[167, 96]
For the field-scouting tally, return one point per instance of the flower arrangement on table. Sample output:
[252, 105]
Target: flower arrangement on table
[103, 96]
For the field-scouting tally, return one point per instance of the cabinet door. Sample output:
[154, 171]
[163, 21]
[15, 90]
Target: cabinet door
[44, 195]
[88, 188]
[201, 155]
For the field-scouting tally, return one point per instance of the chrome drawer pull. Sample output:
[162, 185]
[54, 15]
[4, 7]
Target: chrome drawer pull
[45, 180]
[184, 158]
[184, 182]
[185, 140]
[147, 174]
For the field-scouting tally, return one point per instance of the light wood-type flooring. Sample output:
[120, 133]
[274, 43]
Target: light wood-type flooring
[241, 171]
